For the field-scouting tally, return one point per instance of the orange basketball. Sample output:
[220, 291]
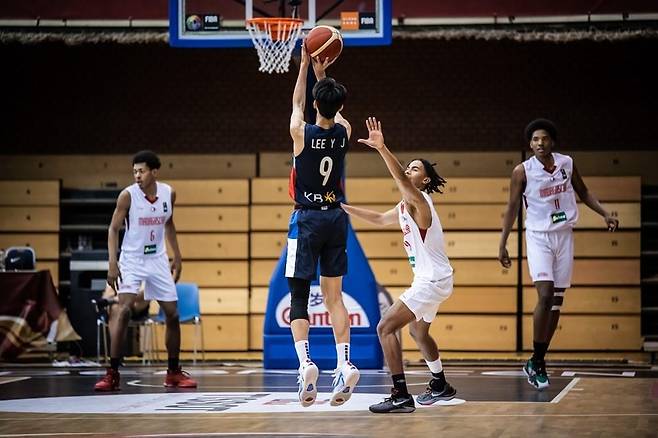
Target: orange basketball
[324, 42]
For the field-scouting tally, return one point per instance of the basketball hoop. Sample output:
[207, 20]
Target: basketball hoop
[274, 39]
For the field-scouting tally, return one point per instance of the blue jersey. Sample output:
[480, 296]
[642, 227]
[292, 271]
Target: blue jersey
[316, 179]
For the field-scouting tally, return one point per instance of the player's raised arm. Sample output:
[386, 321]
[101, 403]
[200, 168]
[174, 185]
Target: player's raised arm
[516, 190]
[590, 200]
[298, 101]
[374, 217]
[410, 193]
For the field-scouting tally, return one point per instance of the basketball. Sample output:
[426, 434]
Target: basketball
[324, 42]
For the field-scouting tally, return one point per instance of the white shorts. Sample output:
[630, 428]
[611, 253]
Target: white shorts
[153, 271]
[424, 297]
[550, 256]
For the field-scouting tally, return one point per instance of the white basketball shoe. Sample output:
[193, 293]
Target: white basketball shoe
[345, 379]
[308, 379]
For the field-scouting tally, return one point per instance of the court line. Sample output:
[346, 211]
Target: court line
[238, 434]
[567, 373]
[324, 416]
[566, 390]
[50, 434]
[292, 387]
[4, 380]
[175, 434]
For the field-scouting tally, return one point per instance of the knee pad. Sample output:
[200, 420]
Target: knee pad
[558, 299]
[299, 293]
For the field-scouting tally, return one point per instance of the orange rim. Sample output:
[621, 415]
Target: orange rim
[272, 25]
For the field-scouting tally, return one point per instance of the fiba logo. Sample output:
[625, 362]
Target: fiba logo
[193, 23]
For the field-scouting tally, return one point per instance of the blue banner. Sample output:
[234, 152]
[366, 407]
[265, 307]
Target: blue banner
[360, 298]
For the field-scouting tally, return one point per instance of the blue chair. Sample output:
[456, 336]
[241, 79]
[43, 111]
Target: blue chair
[103, 326]
[189, 312]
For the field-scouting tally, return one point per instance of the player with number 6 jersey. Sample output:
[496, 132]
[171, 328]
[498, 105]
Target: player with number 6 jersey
[146, 209]
[318, 226]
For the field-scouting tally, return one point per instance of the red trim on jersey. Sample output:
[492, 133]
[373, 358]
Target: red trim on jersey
[291, 183]
[153, 201]
[423, 231]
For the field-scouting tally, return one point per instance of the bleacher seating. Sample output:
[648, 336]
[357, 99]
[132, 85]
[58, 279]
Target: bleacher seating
[232, 228]
[29, 216]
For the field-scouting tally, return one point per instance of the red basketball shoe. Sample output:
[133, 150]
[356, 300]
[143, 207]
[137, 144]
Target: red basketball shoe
[179, 379]
[109, 382]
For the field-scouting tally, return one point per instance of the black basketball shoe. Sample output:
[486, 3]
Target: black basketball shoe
[431, 396]
[395, 404]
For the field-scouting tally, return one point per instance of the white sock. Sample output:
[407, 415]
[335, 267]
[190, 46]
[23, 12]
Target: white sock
[435, 366]
[302, 351]
[342, 354]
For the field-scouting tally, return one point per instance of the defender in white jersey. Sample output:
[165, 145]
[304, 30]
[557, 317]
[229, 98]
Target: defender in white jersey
[432, 283]
[146, 209]
[547, 182]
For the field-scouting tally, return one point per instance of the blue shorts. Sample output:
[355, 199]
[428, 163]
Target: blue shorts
[313, 235]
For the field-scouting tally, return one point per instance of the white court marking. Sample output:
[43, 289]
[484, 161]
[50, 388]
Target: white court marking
[4, 380]
[157, 435]
[504, 373]
[122, 371]
[587, 373]
[201, 403]
[426, 412]
[196, 372]
[566, 390]
[270, 387]
[38, 373]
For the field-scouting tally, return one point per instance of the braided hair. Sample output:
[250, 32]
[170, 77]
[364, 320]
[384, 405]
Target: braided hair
[436, 181]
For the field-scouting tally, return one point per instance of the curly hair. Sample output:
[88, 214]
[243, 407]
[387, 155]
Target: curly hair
[544, 124]
[437, 182]
[148, 157]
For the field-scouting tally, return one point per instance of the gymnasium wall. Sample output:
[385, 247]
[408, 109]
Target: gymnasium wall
[460, 95]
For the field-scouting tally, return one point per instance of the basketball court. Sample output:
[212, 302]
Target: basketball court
[246, 400]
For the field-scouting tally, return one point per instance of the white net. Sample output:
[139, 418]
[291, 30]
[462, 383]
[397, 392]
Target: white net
[274, 40]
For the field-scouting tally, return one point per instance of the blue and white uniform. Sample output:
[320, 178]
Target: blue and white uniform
[318, 226]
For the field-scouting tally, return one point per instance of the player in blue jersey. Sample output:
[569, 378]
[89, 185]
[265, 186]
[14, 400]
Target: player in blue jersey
[318, 226]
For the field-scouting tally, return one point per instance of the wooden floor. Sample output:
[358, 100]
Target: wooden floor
[245, 400]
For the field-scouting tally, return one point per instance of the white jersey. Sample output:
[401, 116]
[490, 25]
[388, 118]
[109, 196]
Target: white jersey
[145, 223]
[425, 248]
[549, 198]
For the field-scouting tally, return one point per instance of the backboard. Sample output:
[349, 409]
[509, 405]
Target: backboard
[221, 23]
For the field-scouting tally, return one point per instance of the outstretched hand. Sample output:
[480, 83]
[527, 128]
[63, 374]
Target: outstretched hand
[319, 67]
[375, 136]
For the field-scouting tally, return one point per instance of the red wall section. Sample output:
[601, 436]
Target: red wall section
[157, 9]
